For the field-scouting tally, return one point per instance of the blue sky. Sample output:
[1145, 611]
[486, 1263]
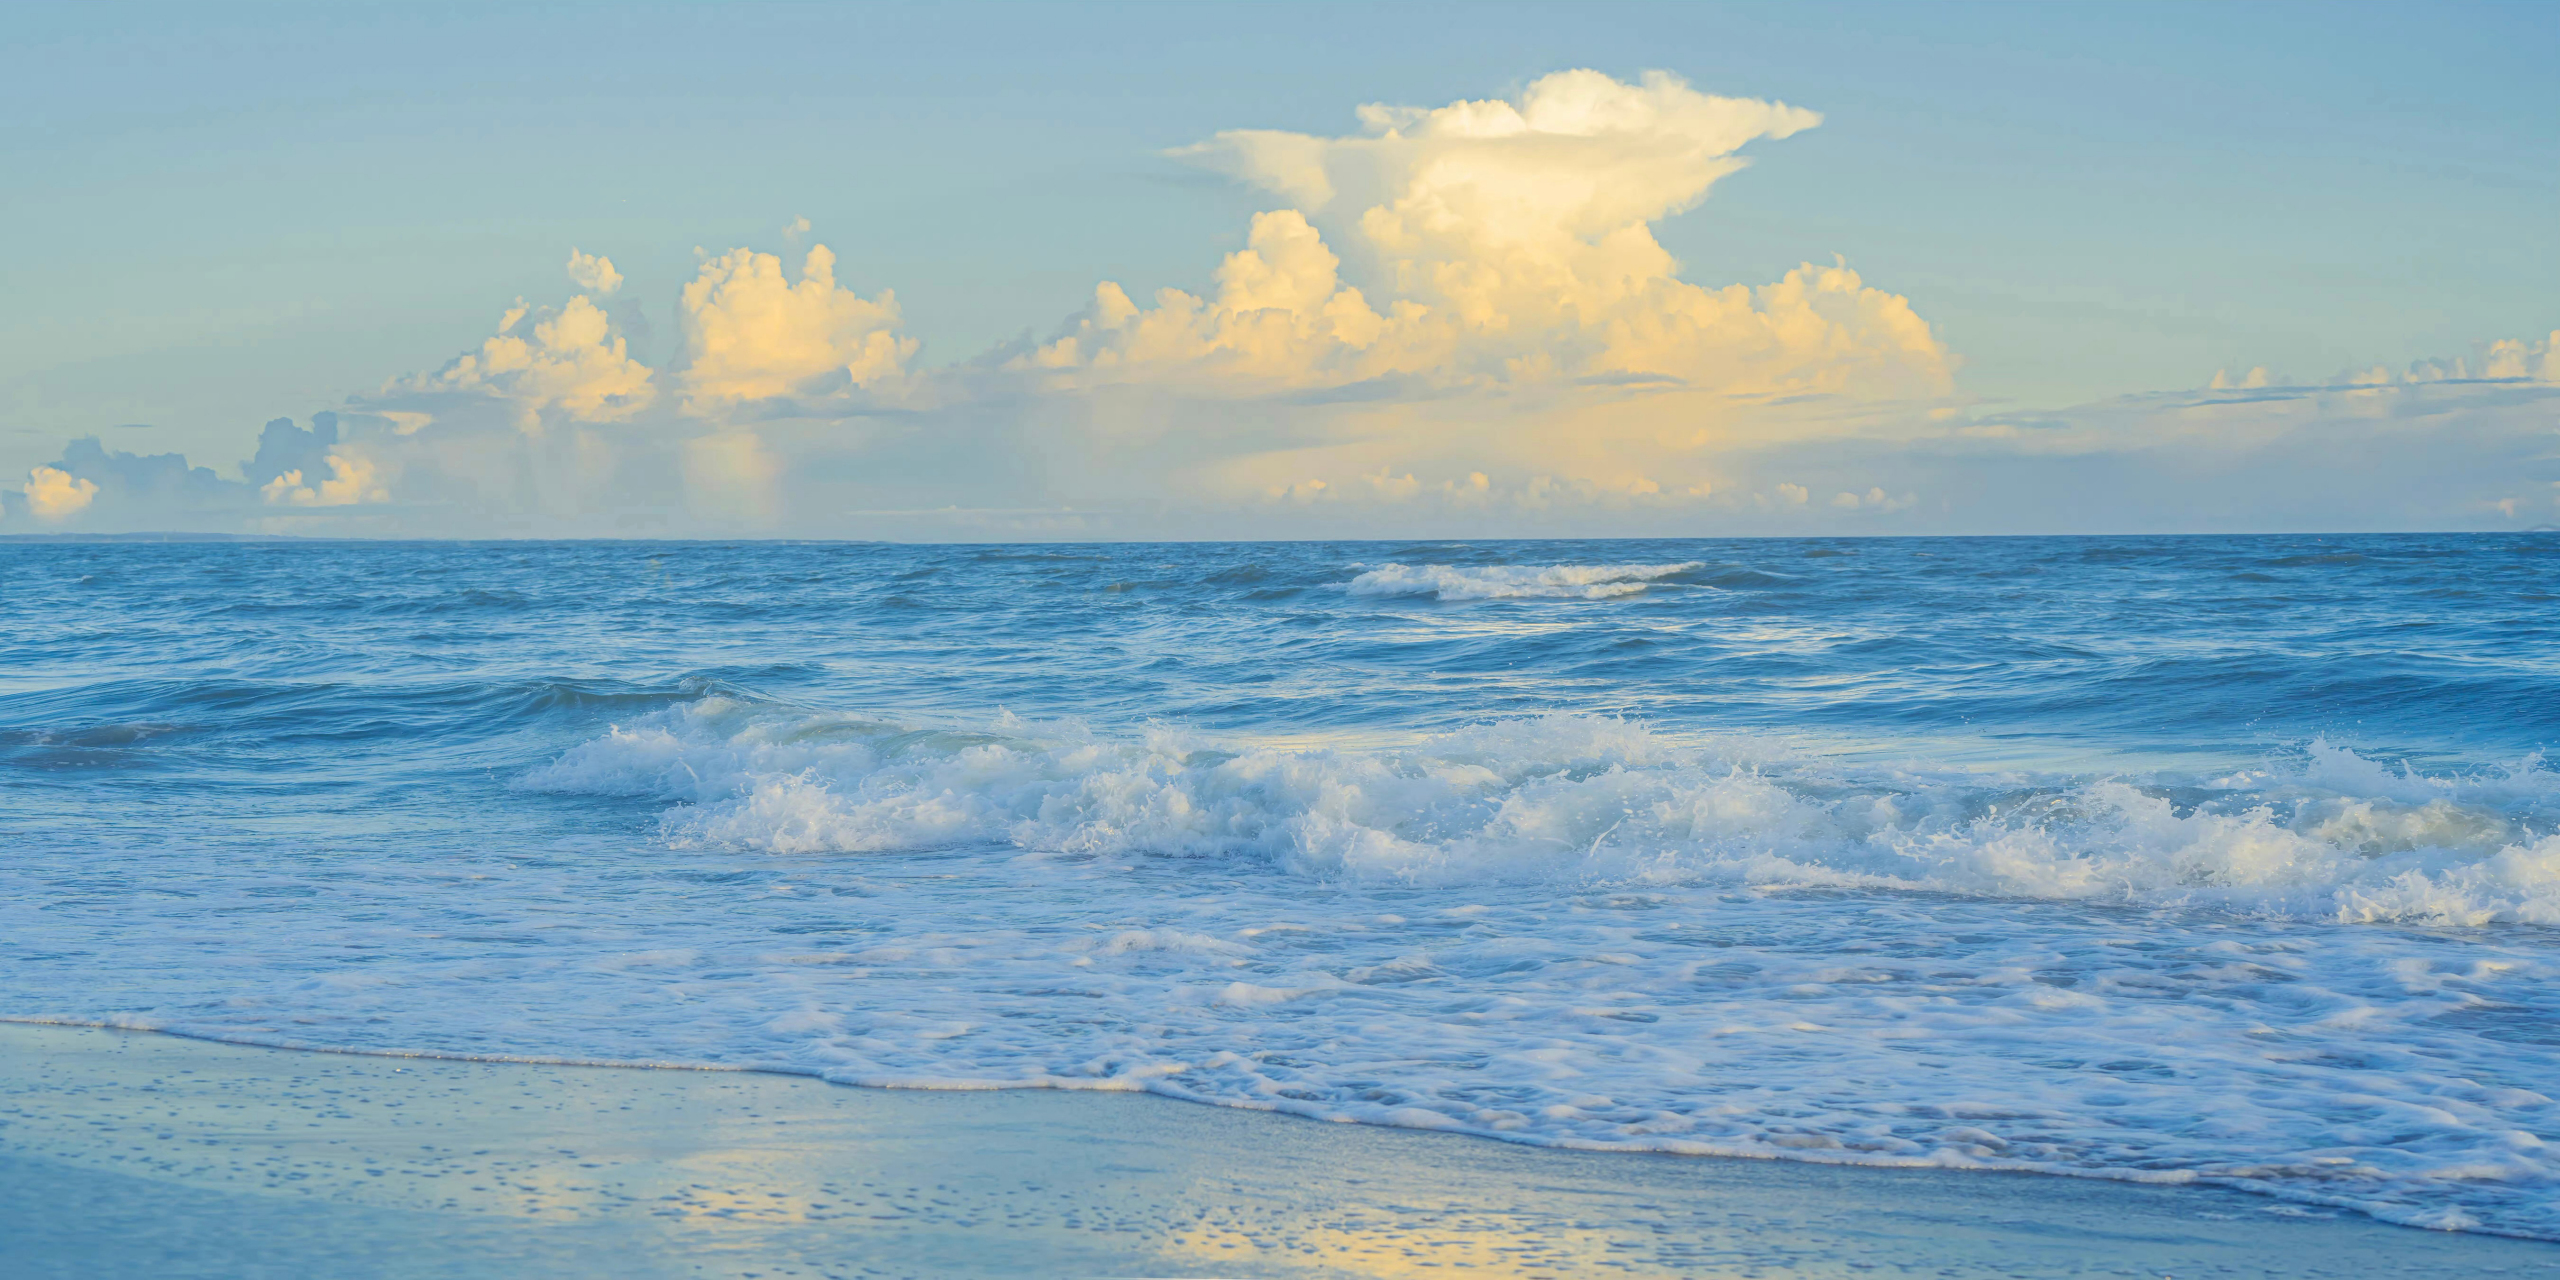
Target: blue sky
[225, 214]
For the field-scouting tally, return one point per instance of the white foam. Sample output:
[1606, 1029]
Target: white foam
[1514, 582]
[2324, 978]
[1582, 798]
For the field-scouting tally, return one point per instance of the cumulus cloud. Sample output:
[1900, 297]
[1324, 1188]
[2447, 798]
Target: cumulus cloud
[284, 447]
[750, 334]
[593, 273]
[55, 494]
[2255, 378]
[572, 364]
[1453, 320]
[350, 480]
[1504, 242]
[93, 486]
[2504, 360]
[2511, 358]
[1280, 318]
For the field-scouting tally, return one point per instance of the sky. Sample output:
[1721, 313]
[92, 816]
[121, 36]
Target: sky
[1439, 270]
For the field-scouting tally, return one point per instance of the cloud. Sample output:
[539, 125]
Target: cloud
[350, 480]
[2510, 358]
[339, 475]
[284, 447]
[1279, 319]
[55, 494]
[593, 273]
[2504, 360]
[573, 366]
[1489, 171]
[1474, 289]
[94, 487]
[1457, 321]
[1504, 243]
[2337, 457]
[751, 335]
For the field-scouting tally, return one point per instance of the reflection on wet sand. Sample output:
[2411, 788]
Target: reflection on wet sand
[511, 1168]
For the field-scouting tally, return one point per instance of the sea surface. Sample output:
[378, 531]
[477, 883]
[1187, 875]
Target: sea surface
[2170, 859]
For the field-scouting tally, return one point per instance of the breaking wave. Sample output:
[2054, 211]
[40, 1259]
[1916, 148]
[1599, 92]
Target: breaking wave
[2330, 836]
[1515, 582]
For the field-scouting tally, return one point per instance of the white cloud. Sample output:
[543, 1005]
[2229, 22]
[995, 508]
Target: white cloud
[749, 334]
[574, 365]
[1460, 323]
[108, 489]
[2250, 381]
[1874, 499]
[54, 494]
[1279, 319]
[593, 273]
[351, 480]
[2509, 358]
[2505, 360]
[1505, 242]
[1577, 155]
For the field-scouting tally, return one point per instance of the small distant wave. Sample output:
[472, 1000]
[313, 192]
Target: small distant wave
[2331, 837]
[1514, 582]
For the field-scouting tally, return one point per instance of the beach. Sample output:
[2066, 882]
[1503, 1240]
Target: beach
[130, 1154]
[1106, 640]
[1107, 939]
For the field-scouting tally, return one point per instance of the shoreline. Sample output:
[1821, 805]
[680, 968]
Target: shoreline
[144, 1153]
[2303, 1206]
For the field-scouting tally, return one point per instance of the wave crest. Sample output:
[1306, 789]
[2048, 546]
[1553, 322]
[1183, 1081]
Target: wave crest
[1586, 799]
[1515, 582]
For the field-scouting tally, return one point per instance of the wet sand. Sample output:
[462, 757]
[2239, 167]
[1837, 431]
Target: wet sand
[134, 1154]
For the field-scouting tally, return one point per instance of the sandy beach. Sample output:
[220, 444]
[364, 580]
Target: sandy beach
[133, 1154]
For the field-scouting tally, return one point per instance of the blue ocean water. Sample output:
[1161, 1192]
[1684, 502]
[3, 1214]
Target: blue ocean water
[2170, 859]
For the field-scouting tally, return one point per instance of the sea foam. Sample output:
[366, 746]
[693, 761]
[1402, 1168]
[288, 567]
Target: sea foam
[1515, 582]
[1791, 873]
[1585, 799]
[1568, 931]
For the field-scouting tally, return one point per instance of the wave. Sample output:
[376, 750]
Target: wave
[1514, 582]
[2330, 836]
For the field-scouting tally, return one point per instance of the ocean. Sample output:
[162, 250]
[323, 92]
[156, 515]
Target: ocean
[2220, 859]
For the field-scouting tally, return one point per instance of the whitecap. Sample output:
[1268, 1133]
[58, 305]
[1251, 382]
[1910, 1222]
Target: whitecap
[1514, 582]
[1588, 799]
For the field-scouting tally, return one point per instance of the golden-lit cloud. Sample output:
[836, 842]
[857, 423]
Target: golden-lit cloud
[593, 273]
[1451, 320]
[571, 364]
[351, 479]
[1506, 243]
[55, 494]
[750, 334]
